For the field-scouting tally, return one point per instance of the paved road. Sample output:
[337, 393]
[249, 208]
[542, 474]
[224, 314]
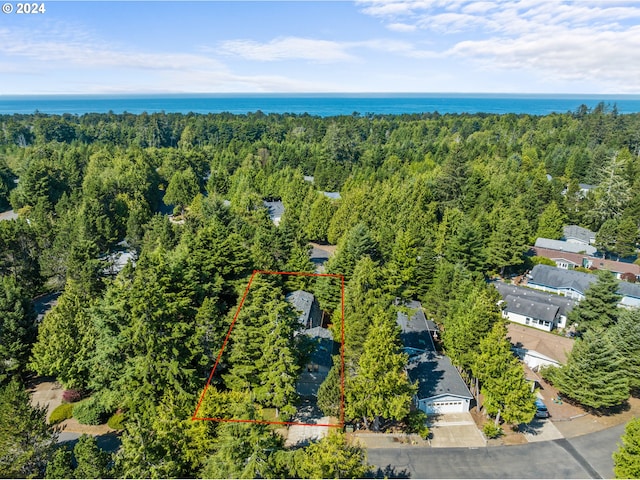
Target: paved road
[588, 456]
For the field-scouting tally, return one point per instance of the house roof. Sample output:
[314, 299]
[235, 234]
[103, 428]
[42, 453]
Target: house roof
[563, 246]
[531, 308]
[275, 209]
[302, 301]
[564, 304]
[595, 262]
[416, 330]
[8, 215]
[556, 278]
[332, 195]
[435, 376]
[545, 343]
[575, 232]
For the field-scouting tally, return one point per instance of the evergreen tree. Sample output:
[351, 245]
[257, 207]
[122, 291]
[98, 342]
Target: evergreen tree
[599, 307]
[279, 365]
[91, 461]
[626, 460]
[242, 450]
[504, 385]
[357, 243]
[473, 312]
[17, 329]
[333, 457]
[26, 440]
[626, 237]
[320, 215]
[594, 374]
[299, 261]
[264, 314]
[380, 387]
[466, 248]
[625, 336]
[508, 242]
[401, 269]
[61, 464]
[606, 237]
[66, 339]
[612, 194]
[182, 188]
[330, 391]
[551, 222]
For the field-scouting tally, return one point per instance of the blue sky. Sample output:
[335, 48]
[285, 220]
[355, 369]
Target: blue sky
[501, 46]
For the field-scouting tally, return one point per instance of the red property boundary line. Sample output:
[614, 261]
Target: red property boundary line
[224, 344]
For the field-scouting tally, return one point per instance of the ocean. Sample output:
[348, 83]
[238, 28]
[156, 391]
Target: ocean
[323, 105]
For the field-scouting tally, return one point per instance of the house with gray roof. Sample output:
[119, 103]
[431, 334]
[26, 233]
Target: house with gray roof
[317, 338]
[275, 211]
[319, 363]
[574, 284]
[441, 389]
[332, 195]
[306, 305]
[562, 246]
[577, 234]
[512, 310]
[415, 330]
[532, 313]
[8, 215]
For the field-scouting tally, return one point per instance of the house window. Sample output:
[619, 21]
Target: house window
[527, 321]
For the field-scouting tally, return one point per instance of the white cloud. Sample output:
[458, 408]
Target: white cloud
[570, 40]
[402, 27]
[84, 52]
[287, 48]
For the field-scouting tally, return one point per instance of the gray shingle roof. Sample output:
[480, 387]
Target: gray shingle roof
[564, 304]
[416, 330]
[332, 195]
[584, 235]
[303, 302]
[530, 308]
[436, 376]
[275, 209]
[563, 246]
[557, 278]
[8, 215]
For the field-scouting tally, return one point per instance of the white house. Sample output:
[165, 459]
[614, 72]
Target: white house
[441, 389]
[574, 284]
[534, 308]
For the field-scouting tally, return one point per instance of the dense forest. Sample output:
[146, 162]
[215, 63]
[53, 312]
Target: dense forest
[430, 207]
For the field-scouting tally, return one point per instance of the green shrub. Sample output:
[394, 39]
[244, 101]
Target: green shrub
[416, 423]
[491, 430]
[116, 421]
[89, 412]
[61, 413]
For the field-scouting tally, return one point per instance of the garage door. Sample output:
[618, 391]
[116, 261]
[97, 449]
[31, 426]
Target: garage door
[444, 407]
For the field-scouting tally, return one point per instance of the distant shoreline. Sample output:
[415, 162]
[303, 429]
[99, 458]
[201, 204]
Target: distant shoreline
[316, 104]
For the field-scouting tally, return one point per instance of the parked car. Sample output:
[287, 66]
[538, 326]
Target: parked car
[541, 409]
